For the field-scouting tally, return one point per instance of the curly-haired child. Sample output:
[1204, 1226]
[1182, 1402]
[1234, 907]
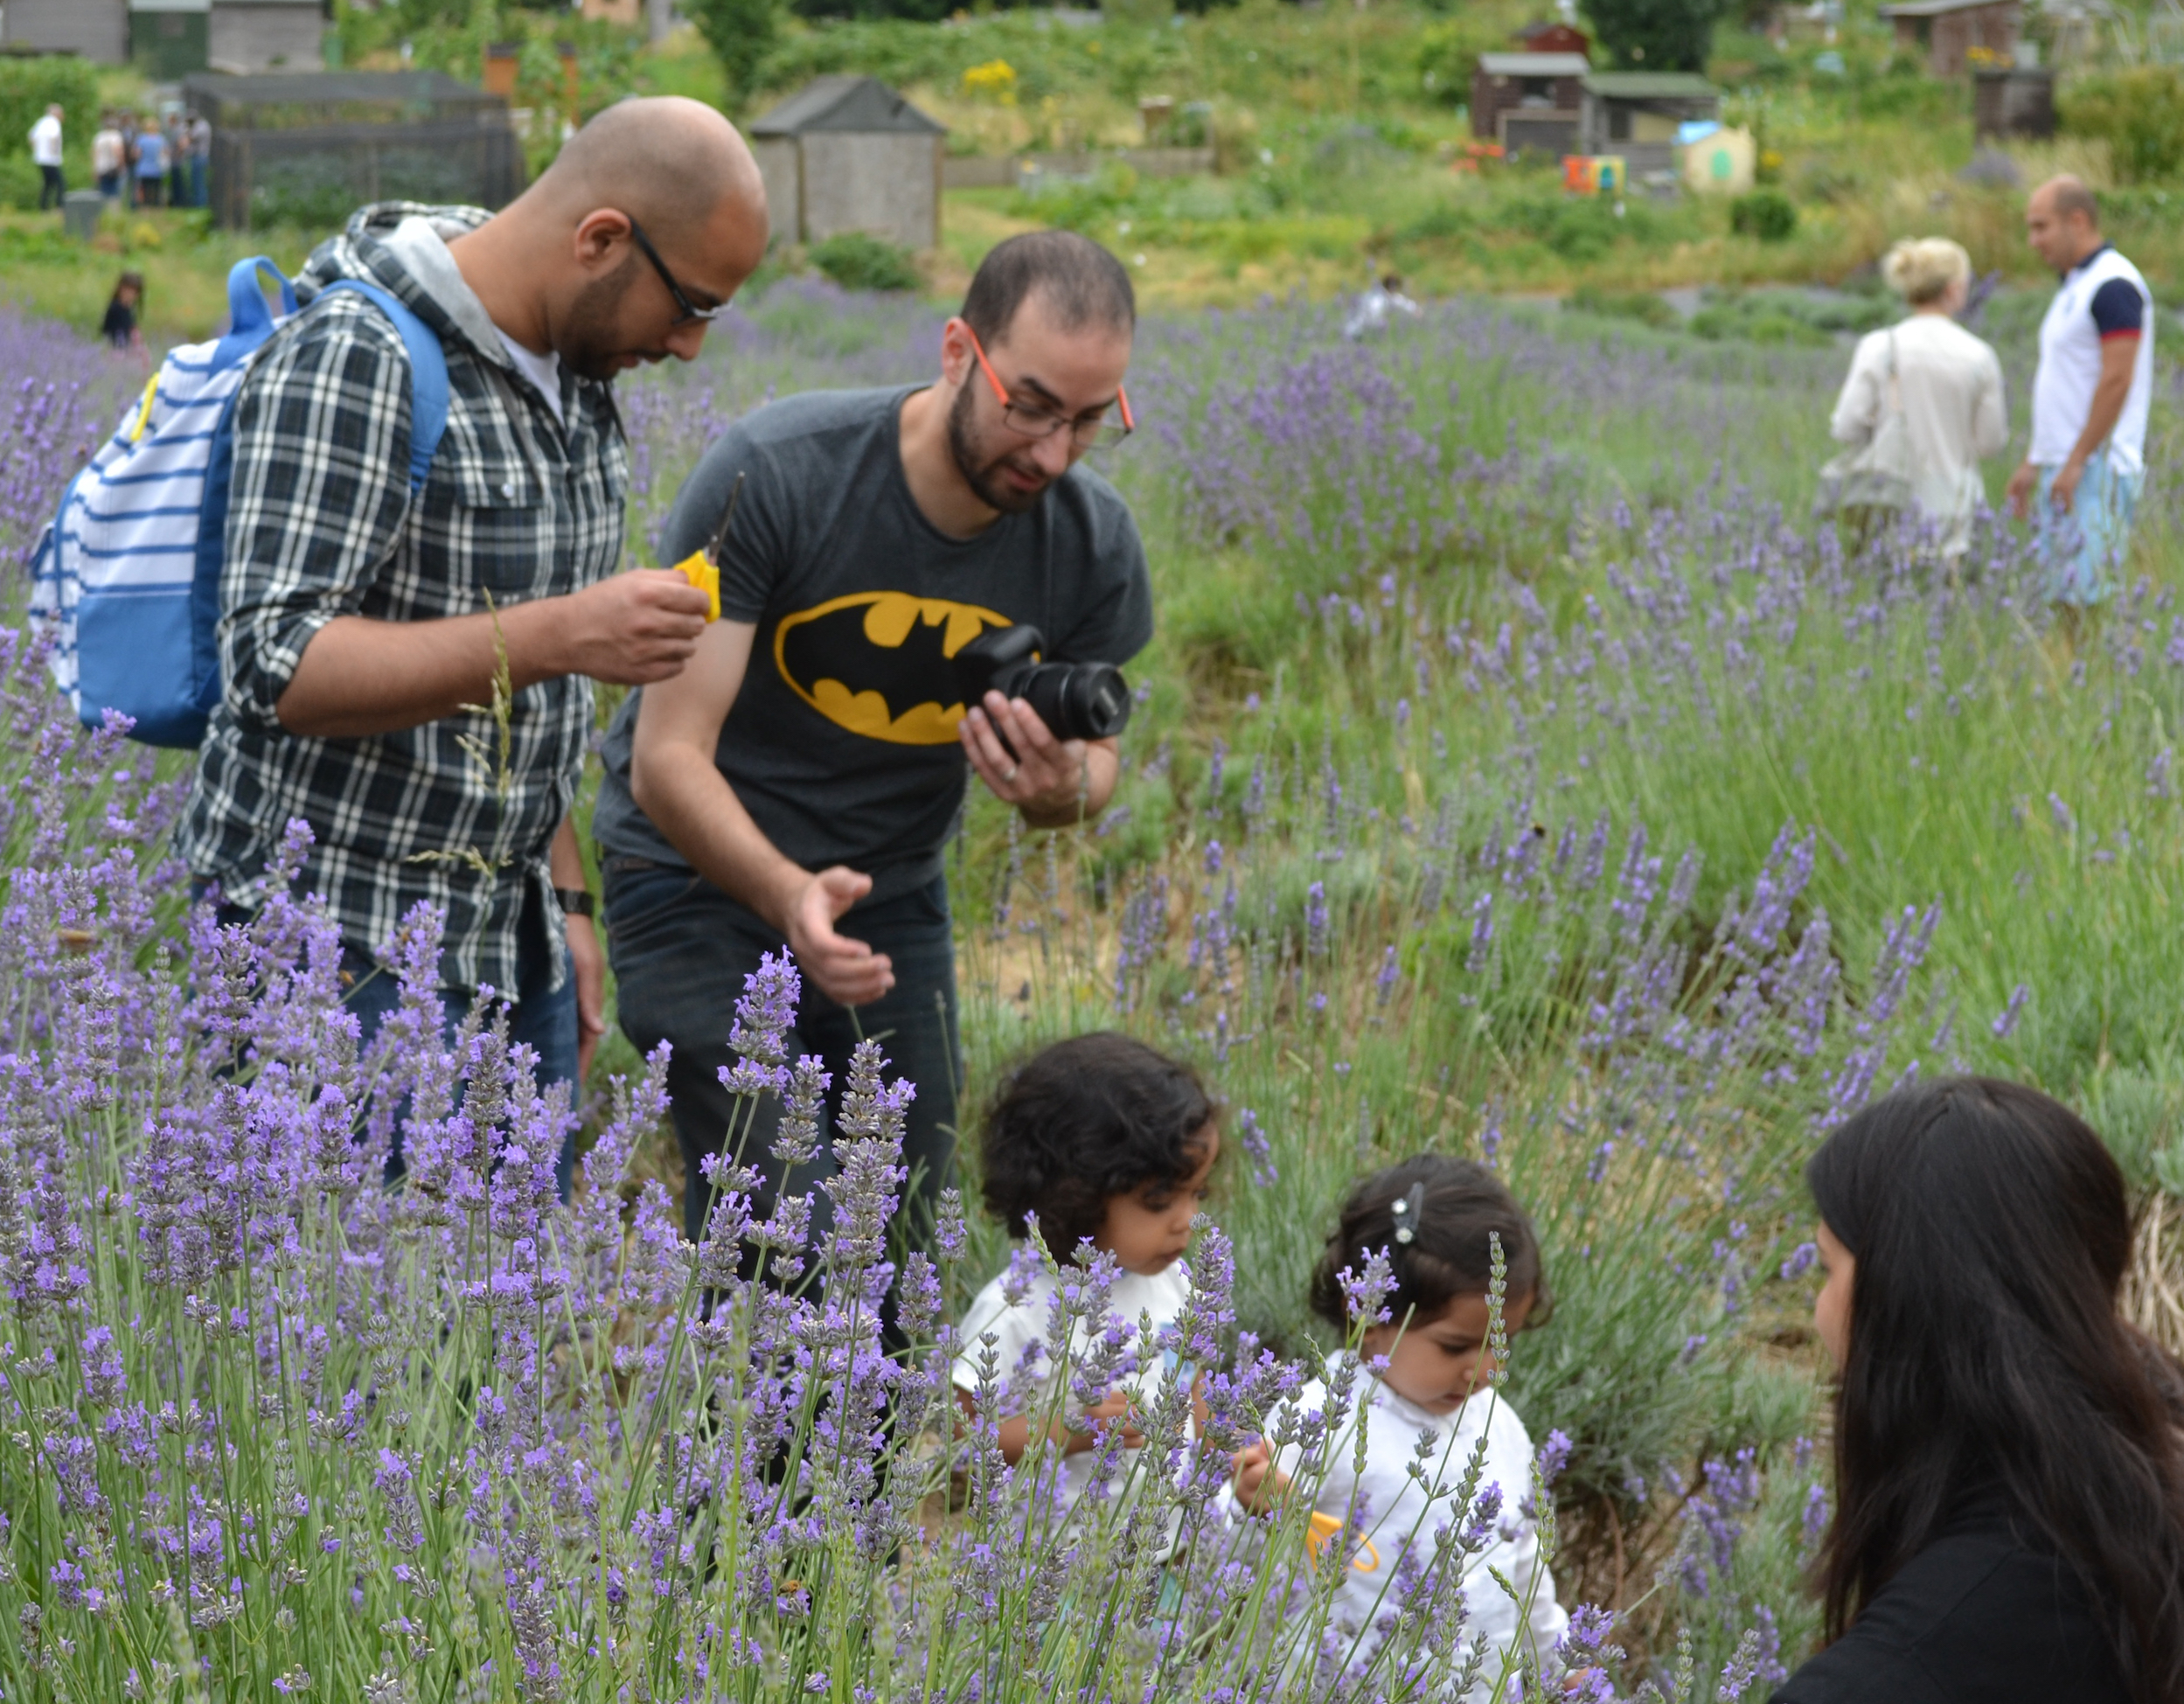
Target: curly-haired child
[1104, 1142]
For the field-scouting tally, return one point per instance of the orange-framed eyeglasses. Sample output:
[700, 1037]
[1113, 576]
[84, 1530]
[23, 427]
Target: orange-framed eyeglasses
[1039, 423]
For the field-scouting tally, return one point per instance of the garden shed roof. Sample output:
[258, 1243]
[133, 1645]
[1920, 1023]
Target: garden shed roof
[860, 104]
[1650, 85]
[1936, 8]
[1535, 65]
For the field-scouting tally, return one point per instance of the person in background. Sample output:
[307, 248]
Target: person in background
[177, 136]
[1949, 382]
[2091, 393]
[45, 152]
[151, 165]
[360, 626]
[2009, 1467]
[120, 328]
[109, 157]
[199, 130]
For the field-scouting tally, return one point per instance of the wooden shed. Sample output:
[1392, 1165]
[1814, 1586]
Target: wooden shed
[250, 36]
[849, 154]
[1636, 113]
[1537, 93]
[1554, 37]
[1945, 32]
[96, 29]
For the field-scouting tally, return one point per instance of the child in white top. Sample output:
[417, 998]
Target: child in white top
[1109, 1145]
[1424, 1400]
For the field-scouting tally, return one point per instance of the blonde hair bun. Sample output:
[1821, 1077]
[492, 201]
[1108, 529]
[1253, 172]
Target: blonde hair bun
[1921, 269]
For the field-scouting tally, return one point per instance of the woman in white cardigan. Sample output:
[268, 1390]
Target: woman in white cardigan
[1949, 381]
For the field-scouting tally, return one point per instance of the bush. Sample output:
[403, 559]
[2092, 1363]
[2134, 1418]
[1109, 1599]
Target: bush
[28, 87]
[741, 33]
[1768, 214]
[1656, 35]
[2139, 113]
[1640, 305]
[859, 261]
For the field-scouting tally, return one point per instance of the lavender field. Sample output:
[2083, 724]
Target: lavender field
[1516, 773]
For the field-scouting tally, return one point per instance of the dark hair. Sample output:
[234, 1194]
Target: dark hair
[1086, 1120]
[1461, 1205]
[1991, 1232]
[127, 280]
[1083, 284]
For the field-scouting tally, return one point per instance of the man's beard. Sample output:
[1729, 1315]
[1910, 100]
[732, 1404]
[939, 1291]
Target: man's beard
[590, 344]
[982, 472]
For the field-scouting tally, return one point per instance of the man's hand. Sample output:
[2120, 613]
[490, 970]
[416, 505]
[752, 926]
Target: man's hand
[633, 629]
[2019, 493]
[846, 971]
[1047, 777]
[2063, 493]
[589, 961]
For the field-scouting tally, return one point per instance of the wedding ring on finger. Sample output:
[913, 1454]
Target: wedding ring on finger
[1008, 776]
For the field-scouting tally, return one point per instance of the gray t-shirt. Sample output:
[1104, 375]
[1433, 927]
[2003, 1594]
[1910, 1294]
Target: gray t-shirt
[842, 742]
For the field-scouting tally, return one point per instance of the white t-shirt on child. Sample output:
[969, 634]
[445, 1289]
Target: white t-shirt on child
[1023, 1327]
[1393, 1509]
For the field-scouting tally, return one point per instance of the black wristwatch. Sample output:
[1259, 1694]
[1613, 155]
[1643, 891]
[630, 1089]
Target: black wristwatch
[576, 902]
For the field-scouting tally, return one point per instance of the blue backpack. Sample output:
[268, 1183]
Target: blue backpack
[126, 579]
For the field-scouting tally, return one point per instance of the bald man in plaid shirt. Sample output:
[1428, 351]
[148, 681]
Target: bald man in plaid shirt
[361, 627]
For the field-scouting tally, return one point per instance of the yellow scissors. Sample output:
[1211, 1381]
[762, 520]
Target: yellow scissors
[1325, 1526]
[702, 568]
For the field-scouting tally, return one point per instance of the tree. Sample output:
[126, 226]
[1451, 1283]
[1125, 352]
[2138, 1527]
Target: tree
[1656, 35]
[741, 33]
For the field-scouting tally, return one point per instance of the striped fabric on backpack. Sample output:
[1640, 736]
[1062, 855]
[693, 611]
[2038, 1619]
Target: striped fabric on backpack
[125, 579]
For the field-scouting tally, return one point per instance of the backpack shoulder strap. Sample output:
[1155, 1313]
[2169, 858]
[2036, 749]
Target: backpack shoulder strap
[427, 370]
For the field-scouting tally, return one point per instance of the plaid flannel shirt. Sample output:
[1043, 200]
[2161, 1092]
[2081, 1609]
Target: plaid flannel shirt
[321, 523]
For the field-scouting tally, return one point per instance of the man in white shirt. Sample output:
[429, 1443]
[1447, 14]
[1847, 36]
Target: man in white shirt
[45, 152]
[2082, 471]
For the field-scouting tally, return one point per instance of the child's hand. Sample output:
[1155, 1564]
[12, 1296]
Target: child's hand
[1258, 1485]
[1114, 1406]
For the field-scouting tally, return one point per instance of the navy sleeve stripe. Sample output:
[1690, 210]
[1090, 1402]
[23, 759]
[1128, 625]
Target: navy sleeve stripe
[2119, 309]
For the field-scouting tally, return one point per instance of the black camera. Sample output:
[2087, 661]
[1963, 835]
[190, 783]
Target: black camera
[1076, 700]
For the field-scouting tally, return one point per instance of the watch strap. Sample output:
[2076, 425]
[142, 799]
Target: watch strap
[576, 902]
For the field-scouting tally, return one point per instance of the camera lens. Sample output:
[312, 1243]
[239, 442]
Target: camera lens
[1078, 700]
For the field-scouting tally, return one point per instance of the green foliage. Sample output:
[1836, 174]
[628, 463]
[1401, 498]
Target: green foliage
[1640, 305]
[2139, 113]
[1765, 213]
[856, 261]
[740, 32]
[1656, 35]
[28, 87]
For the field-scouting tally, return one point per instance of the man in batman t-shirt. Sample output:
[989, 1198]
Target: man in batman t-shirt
[797, 783]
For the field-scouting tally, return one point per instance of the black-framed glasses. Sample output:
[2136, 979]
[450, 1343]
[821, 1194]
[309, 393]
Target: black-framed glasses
[686, 311]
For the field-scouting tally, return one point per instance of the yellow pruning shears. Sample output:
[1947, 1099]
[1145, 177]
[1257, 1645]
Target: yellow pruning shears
[702, 568]
[1325, 1526]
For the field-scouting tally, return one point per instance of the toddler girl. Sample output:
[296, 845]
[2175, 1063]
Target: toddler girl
[1103, 1139]
[1423, 1413]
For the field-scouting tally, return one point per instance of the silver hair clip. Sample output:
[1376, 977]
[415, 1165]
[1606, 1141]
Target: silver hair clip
[1408, 1213]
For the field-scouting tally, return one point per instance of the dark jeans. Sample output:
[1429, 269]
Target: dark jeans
[52, 188]
[680, 949]
[543, 1018]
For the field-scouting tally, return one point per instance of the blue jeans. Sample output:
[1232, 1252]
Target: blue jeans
[542, 1018]
[680, 949]
[197, 184]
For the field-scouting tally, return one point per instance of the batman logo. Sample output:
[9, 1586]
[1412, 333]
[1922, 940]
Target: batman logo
[878, 663]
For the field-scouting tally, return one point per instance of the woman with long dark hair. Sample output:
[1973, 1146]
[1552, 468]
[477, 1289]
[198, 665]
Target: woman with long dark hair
[2009, 1463]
